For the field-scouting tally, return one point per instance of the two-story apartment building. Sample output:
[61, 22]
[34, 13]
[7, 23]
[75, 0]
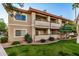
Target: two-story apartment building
[39, 24]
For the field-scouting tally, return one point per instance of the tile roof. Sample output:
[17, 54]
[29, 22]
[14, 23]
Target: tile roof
[41, 12]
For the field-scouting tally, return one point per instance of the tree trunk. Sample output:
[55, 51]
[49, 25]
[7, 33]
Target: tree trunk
[78, 39]
[76, 21]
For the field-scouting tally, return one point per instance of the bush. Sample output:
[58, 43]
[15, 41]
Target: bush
[28, 38]
[42, 40]
[16, 43]
[4, 39]
[51, 39]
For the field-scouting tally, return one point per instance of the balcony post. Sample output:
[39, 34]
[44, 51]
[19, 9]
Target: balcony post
[50, 25]
[33, 25]
[60, 22]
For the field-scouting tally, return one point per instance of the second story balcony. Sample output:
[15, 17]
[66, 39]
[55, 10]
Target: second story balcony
[44, 24]
[55, 25]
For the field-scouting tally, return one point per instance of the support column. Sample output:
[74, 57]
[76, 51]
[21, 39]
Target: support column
[60, 22]
[49, 24]
[33, 33]
[33, 25]
[49, 32]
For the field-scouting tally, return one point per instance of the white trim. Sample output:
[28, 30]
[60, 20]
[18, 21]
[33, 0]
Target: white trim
[19, 25]
[21, 20]
[19, 36]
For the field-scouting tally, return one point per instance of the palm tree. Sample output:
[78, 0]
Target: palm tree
[75, 7]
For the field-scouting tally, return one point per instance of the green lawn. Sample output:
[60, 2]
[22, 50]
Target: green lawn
[66, 47]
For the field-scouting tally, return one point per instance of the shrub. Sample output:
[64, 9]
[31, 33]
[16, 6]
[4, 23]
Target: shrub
[28, 38]
[4, 39]
[51, 39]
[16, 43]
[42, 40]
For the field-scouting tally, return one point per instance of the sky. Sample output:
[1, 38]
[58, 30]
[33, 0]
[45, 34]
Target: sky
[60, 9]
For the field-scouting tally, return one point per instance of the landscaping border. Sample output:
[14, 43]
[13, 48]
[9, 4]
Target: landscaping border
[32, 44]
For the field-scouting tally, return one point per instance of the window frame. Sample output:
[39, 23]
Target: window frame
[19, 36]
[21, 14]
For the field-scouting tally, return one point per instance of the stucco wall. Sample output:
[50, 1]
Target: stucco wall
[11, 32]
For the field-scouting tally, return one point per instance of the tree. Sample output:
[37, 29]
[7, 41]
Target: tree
[10, 5]
[3, 27]
[67, 28]
[75, 7]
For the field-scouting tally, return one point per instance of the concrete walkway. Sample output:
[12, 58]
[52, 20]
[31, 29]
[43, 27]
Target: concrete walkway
[2, 51]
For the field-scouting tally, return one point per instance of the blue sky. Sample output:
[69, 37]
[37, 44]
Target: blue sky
[64, 9]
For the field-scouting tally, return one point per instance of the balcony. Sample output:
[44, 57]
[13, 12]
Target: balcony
[55, 26]
[39, 37]
[42, 24]
[46, 24]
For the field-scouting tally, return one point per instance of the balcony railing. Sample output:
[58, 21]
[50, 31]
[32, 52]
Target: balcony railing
[55, 25]
[42, 24]
[39, 37]
[46, 24]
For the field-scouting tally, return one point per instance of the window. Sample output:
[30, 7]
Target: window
[19, 16]
[20, 32]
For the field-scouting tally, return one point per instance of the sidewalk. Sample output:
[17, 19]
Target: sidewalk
[2, 51]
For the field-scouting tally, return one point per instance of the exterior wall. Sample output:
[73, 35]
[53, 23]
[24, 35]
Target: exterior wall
[12, 20]
[30, 25]
[12, 29]
[22, 25]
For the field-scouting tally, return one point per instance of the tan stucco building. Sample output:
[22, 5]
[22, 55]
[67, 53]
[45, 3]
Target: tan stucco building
[39, 24]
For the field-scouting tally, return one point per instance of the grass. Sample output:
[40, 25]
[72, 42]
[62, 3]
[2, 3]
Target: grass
[61, 48]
